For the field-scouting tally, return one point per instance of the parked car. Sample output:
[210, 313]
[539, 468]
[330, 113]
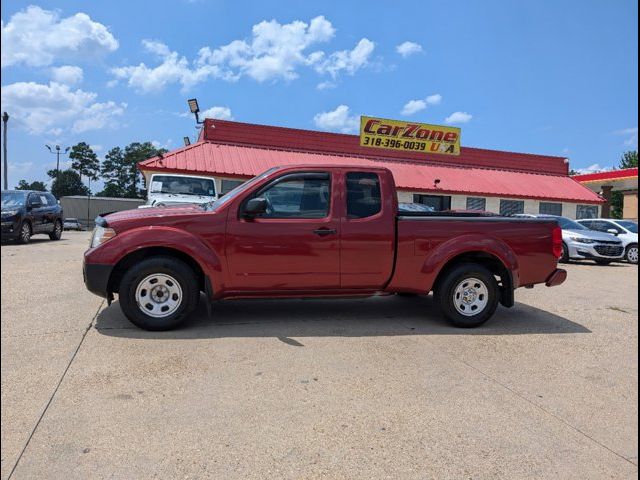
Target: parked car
[310, 231]
[625, 230]
[73, 224]
[580, 243]
[26, 213]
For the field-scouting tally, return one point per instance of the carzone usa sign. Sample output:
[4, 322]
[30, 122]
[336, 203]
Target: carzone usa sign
[410, 136]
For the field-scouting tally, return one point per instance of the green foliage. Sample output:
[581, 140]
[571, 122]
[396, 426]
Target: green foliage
[85, 161]
[70, 183]
[120, 169]
[629, 159]
[37, 185]
[617, 202]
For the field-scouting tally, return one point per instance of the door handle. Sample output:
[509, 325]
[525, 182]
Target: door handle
[325, 231]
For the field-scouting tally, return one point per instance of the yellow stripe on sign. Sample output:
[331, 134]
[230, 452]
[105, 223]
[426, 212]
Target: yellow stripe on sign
[409, 136]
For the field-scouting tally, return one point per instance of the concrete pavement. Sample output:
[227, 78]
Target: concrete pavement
[376, 388]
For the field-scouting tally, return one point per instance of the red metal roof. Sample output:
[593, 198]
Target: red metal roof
[237, 133]
[245, 161]
[612, 175]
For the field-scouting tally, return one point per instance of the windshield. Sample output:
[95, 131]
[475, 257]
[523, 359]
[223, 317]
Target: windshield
[567, 224]
[13, 199]
[233, 193]
[631, 226]
[182, 185]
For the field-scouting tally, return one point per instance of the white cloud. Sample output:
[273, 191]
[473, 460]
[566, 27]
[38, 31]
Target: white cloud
[19, 168]
[222, 113]
[594, 168]
[327, 85]
[458, 117]
[274, 52]
[67, 74]
[415, 106]
[55, 108]
[38, 37]
[347, 61]
[406, 49]
[166, 145]
[632, 136]
[337, 120]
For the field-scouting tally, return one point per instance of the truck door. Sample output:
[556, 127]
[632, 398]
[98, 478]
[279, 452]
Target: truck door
[367, 231]
[294, 245]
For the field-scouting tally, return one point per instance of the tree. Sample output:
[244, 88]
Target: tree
[37, 185]
[70, 183]
[120, 169]
[85, 161]
[629, 159]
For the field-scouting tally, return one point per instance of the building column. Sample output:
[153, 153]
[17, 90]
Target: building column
[606, 194]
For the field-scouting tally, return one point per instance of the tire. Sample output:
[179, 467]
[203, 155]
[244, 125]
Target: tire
[603, 262]
[631, 255]
[175, 288]
[475, 281]
[24, 236]
[565, 254]
[57, 231]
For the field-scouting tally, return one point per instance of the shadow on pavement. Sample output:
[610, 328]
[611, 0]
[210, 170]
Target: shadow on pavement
[377, 316]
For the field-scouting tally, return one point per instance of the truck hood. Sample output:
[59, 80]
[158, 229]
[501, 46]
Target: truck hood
[150, 216]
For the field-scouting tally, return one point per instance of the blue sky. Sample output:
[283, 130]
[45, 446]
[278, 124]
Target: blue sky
[548, 77]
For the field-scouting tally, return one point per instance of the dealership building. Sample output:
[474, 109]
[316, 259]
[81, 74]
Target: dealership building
[476, 179]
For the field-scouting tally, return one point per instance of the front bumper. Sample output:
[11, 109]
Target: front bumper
[605, 251]
[96, 278]
[10, 228]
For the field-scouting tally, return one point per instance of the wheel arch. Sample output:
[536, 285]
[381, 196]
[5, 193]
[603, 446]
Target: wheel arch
[491, 262]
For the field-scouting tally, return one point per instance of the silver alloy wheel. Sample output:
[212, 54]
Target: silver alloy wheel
[632, 255]
[25, 232]
[470, 297]
[159, 295]
[57, 229]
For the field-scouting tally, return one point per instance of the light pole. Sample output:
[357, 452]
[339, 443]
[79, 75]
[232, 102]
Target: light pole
[5, 119]
[57, 154]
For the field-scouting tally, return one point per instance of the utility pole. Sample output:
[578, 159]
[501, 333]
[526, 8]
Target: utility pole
[57, 154]
[5, 119]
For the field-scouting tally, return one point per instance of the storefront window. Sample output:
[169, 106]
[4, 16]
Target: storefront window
[476, 203]
[586, 211]
[548, 208]
[437, 202]
[511, 207]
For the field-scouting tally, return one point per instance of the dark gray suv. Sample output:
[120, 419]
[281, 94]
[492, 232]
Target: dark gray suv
[26, 213]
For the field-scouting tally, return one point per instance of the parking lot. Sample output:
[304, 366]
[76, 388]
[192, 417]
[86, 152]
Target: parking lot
[375, 388]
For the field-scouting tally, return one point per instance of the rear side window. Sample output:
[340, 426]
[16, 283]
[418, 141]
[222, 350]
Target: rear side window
[51, 199]
[363, 194]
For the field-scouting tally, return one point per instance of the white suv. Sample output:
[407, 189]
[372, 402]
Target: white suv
[625, 230]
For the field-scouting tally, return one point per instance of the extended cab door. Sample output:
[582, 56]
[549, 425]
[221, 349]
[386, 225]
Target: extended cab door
[367, 229]
[294, 245]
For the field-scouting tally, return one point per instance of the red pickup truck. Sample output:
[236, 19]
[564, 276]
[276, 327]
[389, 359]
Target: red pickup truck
[312, 231]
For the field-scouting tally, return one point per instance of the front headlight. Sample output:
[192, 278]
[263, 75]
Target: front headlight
[9, 213]
[582, 240]
[101, 235]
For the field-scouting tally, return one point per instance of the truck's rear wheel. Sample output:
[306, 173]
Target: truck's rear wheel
[468, 295]
[158, 293]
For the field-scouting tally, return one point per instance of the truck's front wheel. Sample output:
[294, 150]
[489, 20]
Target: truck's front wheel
[468, 295]
[158, 293]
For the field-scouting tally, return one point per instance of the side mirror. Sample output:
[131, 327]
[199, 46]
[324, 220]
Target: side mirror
[613, 231]
[254, 207]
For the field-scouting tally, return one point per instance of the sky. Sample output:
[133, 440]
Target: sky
[545, 77]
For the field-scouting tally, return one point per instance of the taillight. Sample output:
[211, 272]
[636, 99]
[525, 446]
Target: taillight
[556, 238]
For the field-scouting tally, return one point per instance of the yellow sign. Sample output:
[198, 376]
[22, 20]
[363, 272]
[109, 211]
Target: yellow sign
[409, 136]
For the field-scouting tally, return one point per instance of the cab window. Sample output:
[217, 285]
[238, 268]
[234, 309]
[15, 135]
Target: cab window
[363, 194]
[298, 196]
